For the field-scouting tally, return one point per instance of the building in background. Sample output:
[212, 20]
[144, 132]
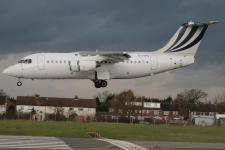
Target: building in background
[3, 104]
[220, 120]
[143, 111]
[45, 108]
[203, 120]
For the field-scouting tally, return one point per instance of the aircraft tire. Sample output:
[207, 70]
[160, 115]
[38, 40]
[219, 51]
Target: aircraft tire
[97, 84]
[19, 83]
[104, 83]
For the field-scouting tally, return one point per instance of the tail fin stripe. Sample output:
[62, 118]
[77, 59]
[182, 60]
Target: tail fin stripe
[186, 39]
[180, 35]
[189, 36]
[195, 41]
[197, 33]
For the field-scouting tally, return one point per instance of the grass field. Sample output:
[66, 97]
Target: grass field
[114, 130]
[187, 149]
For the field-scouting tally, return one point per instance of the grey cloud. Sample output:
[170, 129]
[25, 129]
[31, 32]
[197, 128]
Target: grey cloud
[64, 26]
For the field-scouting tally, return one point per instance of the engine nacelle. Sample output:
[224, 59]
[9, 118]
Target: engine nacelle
[87, 65]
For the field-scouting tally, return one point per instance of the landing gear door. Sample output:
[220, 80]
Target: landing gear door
[41, 62]
[103, 75]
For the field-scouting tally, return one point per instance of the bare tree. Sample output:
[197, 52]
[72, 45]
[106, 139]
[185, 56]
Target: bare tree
[103, 96]
[219, 101]
[103, 101]
[187, 98]
[191, 96]
[123, 103]
[219, 98]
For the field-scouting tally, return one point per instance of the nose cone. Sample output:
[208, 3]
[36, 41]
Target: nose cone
[14, 71]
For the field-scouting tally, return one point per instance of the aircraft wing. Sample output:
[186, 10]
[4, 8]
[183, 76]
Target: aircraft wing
[108, 56]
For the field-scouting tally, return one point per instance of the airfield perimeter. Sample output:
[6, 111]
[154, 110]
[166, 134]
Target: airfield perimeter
[72, 135]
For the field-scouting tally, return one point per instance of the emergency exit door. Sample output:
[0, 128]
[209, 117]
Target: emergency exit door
[41, 62]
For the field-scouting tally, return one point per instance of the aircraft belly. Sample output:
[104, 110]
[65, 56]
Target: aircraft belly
[56, 73]
[129, 71]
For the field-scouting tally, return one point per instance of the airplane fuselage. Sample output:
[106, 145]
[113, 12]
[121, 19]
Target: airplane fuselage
[63, 66]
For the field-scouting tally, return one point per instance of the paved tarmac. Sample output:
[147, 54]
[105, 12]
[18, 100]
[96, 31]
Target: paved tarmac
[53, 143]
[196, 145]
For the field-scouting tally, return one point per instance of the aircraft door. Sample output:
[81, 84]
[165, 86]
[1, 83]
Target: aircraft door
[154, 62]
[41, 62]
[74, 64]
[22, 68]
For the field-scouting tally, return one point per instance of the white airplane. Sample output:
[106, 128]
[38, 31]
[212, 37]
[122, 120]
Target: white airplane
[102, 66]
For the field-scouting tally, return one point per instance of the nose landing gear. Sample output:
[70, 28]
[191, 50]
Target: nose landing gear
[100, 83]
[19, 83]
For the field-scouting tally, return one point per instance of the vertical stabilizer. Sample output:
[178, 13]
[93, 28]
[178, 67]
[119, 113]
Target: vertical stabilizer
[187, 38]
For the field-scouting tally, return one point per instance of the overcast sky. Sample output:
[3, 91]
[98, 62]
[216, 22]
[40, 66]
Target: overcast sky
[29, 26]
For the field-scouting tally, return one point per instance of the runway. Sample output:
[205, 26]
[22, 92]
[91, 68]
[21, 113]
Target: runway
[30, 142]
[54, 143]
[195, 145]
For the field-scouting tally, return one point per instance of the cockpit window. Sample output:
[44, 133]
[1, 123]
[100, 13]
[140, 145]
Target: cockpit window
[29, 61]
[20, 61]
[25, 61]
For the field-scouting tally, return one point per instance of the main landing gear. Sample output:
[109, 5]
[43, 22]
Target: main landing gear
[100, 83]
[19, 83]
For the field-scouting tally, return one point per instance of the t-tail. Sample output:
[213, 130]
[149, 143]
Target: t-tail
[187, 38]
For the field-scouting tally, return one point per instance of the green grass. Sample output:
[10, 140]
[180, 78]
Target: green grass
[114, 130]
[186, 149]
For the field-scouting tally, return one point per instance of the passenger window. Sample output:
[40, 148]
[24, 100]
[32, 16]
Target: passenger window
[56, 61]
[48, 61]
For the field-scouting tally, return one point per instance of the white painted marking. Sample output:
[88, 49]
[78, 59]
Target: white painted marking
[29, 142]
[124, 144]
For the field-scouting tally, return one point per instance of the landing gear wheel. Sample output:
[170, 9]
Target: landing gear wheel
[19, 83]
[97, 84]
[104, 83]
[100, 83]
